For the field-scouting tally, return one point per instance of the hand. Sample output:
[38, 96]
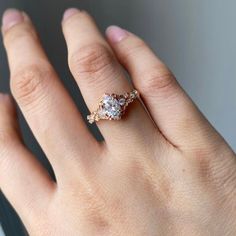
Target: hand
[171, 174]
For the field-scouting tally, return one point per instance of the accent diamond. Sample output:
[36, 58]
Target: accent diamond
[122, 101]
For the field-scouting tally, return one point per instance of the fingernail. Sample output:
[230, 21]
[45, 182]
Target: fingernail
[70, 12]
[10, 18]
[115, 34]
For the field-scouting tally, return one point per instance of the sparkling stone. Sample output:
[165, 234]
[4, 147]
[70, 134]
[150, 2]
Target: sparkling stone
[90, 119]
[122, 101]
[111, 107]
[134, 94]
[101, 113]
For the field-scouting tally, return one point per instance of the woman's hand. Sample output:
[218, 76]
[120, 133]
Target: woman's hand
[167, 173]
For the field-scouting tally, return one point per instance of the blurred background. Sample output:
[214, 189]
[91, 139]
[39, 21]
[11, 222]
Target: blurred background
[195, 38]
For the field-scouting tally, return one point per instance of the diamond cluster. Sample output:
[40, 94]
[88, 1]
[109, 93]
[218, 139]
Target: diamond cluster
[112, 106]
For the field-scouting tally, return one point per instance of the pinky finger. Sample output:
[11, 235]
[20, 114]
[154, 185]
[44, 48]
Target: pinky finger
[23, 180]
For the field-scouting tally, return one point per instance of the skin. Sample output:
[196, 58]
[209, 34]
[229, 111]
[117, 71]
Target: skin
[161, 170]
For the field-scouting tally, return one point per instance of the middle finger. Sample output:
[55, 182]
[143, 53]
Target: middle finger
[97, 71]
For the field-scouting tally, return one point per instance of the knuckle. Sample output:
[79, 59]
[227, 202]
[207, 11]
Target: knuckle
[92, 61]
[209, 163]
[131, 51]
[159, 79]
[29, 84]
[216, 172]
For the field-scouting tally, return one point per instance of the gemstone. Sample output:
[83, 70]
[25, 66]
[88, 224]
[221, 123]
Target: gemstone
[133, 95]
[111, 107]
[101, 113]
[122, 101]
[90, 119]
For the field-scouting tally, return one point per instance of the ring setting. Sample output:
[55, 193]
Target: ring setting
[112, 106]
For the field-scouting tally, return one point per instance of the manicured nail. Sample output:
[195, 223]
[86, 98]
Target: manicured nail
[115, 34]
[10, 18]
[70, 12]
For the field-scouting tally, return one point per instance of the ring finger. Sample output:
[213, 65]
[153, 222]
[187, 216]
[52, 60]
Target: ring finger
[97, 71]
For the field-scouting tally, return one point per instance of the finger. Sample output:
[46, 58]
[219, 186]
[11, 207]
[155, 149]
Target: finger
[22, 179]
[173, 111]
[97, 71]
[46, 105]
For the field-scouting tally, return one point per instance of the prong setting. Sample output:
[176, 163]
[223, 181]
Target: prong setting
[112, 106]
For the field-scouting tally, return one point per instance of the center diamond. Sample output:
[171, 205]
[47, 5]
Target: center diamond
[111, 107]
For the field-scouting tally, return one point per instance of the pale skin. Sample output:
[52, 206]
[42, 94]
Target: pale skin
[163, 173]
